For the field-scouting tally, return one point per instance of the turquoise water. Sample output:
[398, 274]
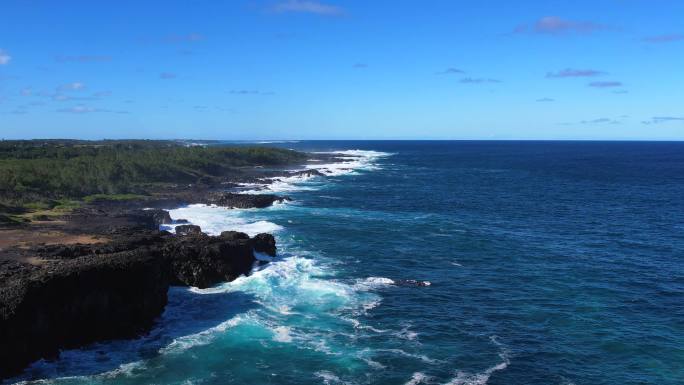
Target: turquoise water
[548, 263]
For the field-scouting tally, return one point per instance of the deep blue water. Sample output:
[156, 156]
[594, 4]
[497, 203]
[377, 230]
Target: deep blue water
[549, 263]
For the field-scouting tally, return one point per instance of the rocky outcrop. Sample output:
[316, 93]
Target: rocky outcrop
[265, 243]
[307, 173]
[111, 220]
[232, 235]
[202, 261]
[159, 216]
[243, 201]
[69, 303]
[188, 230]
[73, 295]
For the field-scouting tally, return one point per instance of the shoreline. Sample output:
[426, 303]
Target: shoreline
[77, 261]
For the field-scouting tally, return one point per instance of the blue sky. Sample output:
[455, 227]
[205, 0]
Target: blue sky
[306, 69]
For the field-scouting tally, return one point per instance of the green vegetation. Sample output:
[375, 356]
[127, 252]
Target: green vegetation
[112, 197]
[65, 205]
[45, 174]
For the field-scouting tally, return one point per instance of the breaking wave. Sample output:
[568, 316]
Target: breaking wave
[347, 162]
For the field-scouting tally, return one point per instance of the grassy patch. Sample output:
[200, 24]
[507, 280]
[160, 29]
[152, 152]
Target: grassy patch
[38, 205]
[42, 211]
[64, 205]
[112, 197]
[12, 220]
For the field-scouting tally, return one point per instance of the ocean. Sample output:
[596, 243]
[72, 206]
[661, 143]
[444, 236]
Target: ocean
[435, 262]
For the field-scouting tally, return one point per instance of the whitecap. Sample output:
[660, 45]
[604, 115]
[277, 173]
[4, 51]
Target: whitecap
[351, 161]
[204, 337]
[418, 378]
[348, 163]
[372, 283]
[282, 334]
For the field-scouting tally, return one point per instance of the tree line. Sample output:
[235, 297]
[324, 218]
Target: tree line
[74, 169]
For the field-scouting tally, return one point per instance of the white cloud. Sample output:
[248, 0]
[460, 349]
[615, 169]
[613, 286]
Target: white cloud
[75, 86]
[4, 57]
[83, 109]
[306, 6]
[80, 109]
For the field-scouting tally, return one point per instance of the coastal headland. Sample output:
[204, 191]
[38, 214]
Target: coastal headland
[82, 256]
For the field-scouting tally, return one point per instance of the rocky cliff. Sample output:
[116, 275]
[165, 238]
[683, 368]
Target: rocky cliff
[65, 296]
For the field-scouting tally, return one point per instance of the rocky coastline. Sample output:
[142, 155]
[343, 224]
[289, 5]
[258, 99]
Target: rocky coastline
[107, 275]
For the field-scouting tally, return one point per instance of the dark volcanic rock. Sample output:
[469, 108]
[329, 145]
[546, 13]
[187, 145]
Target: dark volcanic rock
[79, 301]
[309, 173]
[233, 235]
[184, 230]
[243, 201]
[159, 216]
[79, 294]
[412, 282]
[265, 243]
[206, 263]
[112, 221]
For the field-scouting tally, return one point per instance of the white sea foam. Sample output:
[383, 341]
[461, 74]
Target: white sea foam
[372, 283]
[329, 378]
[282, 184]
[351, 161]
[406, 333]
[418, 378]
[465, 378]
[282, 334]
[357, 325]
[364, 356]
[214, 219]
[204, 337]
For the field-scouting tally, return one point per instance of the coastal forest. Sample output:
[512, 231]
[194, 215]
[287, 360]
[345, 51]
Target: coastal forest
[38, 170]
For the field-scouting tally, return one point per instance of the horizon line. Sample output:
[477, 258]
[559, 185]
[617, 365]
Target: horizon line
[274, 141]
